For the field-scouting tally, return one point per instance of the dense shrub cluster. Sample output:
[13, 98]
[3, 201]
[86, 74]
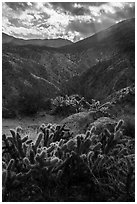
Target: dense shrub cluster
[67, 105]
[64, 105]
[60, 166]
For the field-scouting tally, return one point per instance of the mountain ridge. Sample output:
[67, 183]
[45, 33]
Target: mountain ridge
[58, 42]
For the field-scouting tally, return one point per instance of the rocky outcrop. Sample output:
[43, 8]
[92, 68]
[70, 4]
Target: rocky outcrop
[78, 123]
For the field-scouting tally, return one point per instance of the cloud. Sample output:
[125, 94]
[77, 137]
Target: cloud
[82, 27]
[18, 6]
[102, 17]
[76, 8]
[70, 20]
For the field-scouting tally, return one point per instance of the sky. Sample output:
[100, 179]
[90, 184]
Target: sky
[69, 20]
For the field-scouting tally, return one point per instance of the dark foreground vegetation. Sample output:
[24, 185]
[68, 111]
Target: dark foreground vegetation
[61, 166]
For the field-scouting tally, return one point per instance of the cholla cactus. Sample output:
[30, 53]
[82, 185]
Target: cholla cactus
[97, 146]
[51, 148]
[28, 164]
[4, 182]
[71, 144]
[10, 165]
[24, 139]
[49, 125]
[46, 137]
[4, 178]
[93, 129]
[119, 124]
[13, 133]
[20, 146]
[54, 161]
[59, 174]
[61, 142]
[32, 156]
[110, 140]
[19, 129]
[38, 140]
[57, 158]
[88, 134]
[107, 133]
[42, 127]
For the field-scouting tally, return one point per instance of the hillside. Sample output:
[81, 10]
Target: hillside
[108, 61]
[104, 45]
[115, 33]
[103, 79]
[38, 42]
[23, 84]
[94, 67]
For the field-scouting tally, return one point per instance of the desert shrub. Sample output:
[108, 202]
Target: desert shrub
[66, 105]
[60, 166]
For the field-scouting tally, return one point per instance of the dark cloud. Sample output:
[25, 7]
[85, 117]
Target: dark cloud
[107, 19]
[92, 3]
[86, 29]
[83, 28]
[15, 22]
[18, 5]
[80, 11]
[69, 7]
